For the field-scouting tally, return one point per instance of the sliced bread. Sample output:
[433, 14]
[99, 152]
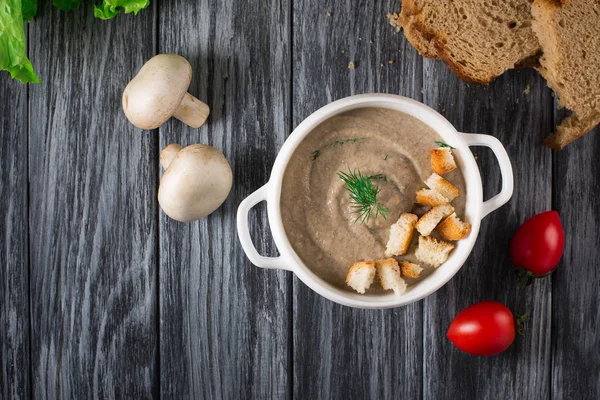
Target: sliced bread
[432, 218]
[478, 40]
[452, 228]
[410, 270]
[361, 275]
[389, 276]
[569, 34]
[442, 160]
[401, 234]
[432, 251]
[442, 186]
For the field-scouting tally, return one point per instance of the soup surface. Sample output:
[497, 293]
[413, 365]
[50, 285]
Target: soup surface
[318, 216]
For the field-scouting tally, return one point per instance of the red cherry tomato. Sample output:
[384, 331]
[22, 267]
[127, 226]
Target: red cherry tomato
[483, 329]
[538, 244]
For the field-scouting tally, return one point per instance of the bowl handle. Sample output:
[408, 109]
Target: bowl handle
[475, 139]
[244, 232]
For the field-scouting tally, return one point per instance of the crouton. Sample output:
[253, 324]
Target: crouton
[410, 270]
[432, 218]
[452, 228]
[432, 251]
[442, 160]
[429, 197]
[442, 186]
[401, 234]
[389, 276]
[361, 276]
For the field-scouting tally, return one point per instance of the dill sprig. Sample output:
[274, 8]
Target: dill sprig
[442, 144]
[363, 194]
[340, 142]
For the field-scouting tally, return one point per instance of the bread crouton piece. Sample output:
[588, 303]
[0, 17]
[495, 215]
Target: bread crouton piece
[389, 276]
[431, 198]
[442, 160]
[361, 276]
[442, 186]
[401, 234]
[432, 251]
[410, 270]
[432, 218]
[452, 228]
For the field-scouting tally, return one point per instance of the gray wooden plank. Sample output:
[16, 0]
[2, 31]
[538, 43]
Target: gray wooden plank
[93, 210]
[576, 282]
[14, 276]
[341, 352]
[517, 109]
[224, 330]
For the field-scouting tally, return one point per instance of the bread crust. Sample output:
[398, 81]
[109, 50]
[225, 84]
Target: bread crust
[410, 270]
[442, 160]
[452, 228]
[571, 129]
[585, 111]
[442, 186]
[410, 220]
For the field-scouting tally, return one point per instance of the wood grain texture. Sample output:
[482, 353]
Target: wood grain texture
[341, 352]
[14, 276]
[520, 118]
[576, 282]
[93, 210]
[225, 323]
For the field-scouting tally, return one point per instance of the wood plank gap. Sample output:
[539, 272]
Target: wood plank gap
[156, 134]
[553, 205]
[29, 370]
[290, 125]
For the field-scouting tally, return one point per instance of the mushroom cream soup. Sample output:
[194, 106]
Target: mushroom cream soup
[322, 224]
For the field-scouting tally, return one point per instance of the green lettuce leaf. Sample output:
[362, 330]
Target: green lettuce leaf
[13, 46]
[66, 5]
[29, 9]
[110, 8]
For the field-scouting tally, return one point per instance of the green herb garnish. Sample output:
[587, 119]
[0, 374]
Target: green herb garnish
[386, 157]
[442, 144]
[337, 143]
[340, 142]
[363, 195]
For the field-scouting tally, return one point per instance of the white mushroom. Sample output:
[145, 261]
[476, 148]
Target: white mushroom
[197, 180]
[159, 91]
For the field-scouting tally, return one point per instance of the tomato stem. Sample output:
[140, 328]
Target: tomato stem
[521, 321]
[524, 277]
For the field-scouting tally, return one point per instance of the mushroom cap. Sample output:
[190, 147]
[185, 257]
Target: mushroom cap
[196, 183]
[155, 93]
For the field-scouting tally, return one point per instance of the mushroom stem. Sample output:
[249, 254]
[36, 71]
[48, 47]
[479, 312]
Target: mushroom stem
[192, 111]
[168, 154]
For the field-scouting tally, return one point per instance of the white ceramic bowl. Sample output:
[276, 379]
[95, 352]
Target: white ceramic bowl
[476, 208]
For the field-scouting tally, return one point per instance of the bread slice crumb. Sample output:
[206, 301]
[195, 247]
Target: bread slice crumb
[401, 234]
[361, 275]
[452, 228]
[389, 276]
[442, 186]
[431, 198]
[410, 270]
[394, 20]
[432, 218]
[432, 251]
[442, 160]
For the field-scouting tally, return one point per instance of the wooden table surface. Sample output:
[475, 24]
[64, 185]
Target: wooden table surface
[103, 296]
